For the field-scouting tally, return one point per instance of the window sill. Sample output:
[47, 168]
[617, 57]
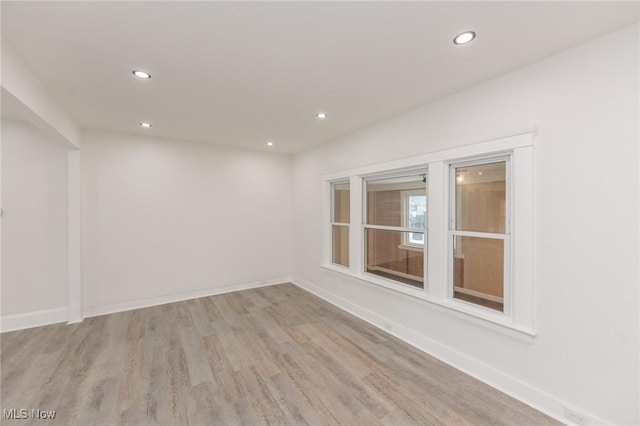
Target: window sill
[475, 315]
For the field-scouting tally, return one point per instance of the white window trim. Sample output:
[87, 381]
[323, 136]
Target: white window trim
[519, 321]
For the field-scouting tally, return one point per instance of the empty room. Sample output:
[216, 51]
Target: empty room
[320, 213]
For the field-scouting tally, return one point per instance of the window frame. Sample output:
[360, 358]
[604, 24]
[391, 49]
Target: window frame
[506, 237]
[333, 223]
[419, 171]
[519, 320]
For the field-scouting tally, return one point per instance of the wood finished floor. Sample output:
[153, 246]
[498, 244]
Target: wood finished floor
[274, 355]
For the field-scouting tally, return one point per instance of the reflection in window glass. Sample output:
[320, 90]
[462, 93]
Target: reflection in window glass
[340, 217]
[479, 233]
[341, 203]
[385, 257]
[340, 249]
[480, 197]
[387, 203]
[395, 226]
[478, 271]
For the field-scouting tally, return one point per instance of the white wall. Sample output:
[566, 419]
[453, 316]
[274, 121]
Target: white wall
[163, 217]
[34, 224]
[584, 104]
[49, 134]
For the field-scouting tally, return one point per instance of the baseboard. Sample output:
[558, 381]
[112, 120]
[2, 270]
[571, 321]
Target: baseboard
[534, 397]
[54, 316]
[179, 297]
[33, 319]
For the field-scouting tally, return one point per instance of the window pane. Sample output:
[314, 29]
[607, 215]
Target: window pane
[386, 199]
[387, 258]
[341, 203]
[416, 211]
[416, 238]
[478, 271]
[340, 250]
[480, 198]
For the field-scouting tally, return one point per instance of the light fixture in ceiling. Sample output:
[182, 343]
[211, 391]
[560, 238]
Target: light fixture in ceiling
[321, 115]
[142, 74]
[464, 38]
[269, 143]
[145, 124]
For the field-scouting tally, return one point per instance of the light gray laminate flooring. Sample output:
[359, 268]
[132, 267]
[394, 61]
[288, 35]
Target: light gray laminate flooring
[273, 355]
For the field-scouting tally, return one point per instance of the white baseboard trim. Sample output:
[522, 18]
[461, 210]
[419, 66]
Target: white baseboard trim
[33, 319]
[534, 397]
[179, 297]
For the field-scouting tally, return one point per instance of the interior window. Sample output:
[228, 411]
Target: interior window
[394, 228]
[479, 234]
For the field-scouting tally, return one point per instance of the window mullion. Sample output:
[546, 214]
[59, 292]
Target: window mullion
[395, 228]
[355, 232]
[479, 234]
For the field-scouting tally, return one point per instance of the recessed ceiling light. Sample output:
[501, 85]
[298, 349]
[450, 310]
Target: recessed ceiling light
[464, 38]
[321, 115]
[269, 143]
[145, 124]
[141, 74]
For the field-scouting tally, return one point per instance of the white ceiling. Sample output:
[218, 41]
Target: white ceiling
[241, 73]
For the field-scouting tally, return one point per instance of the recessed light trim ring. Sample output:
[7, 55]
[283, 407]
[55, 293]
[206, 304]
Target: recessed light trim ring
[142, 74]
[464, 38]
